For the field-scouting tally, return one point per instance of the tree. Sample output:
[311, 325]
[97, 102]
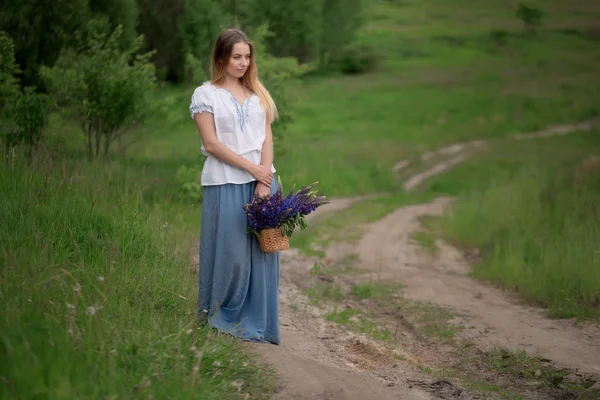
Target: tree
[200, 25]
[180, 30]
[41, 28]
[280, 77]
[341, 19]
[9, 85]
[158, 22]
[104, 88]
[23, 113]
[296, 26]
[529, 15]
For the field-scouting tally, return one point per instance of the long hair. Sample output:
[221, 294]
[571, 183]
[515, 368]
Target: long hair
[220, 59]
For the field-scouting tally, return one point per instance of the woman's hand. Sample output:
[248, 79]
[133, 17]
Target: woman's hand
[262, 190]
[263, 174]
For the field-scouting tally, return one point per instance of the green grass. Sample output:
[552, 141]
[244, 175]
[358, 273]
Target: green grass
[373, 290]
[98, 300]
[532, 209]
[361, 324]
[538, 374]
[342, 317]
[324, 291]
[426, 240]
[432, 320]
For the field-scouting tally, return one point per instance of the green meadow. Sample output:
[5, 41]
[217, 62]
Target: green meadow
[97, 291]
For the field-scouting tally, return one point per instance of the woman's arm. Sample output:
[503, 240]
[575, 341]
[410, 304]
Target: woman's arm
[266, 160]
[206, 126]
[267, 148]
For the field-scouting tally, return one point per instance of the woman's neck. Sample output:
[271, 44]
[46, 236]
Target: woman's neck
[231, 82]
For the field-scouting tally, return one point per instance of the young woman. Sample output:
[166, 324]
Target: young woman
[239, 284]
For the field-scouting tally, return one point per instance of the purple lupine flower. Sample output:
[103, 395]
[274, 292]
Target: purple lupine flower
[276, 210]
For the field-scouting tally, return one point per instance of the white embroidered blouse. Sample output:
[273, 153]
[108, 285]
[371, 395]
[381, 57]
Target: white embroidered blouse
[240, 127]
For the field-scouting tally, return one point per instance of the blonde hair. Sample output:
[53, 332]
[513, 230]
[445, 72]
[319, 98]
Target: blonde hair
[220, 59]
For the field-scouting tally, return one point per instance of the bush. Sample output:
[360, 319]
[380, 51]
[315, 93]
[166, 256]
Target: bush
[188, 179]
[105, 89]
[194, 71]
[31, 114]
[530, 16]
[356, 59]
[23, 113]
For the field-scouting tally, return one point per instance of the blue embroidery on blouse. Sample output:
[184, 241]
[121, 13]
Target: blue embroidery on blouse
[246, 107]
[240, 118]
[242, 111]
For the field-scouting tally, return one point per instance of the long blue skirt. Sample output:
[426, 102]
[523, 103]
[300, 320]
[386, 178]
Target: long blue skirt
[239, 284]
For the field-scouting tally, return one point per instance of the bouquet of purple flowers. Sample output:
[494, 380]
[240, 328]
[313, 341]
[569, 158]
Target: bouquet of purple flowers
[279, 214]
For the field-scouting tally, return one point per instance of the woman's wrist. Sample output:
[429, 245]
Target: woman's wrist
[250, 167]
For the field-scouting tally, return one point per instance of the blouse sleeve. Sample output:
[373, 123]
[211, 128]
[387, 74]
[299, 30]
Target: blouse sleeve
[202, 101]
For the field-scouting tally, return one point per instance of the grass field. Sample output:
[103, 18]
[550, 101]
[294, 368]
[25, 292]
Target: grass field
[443, 80]
[98, 299]
[533, 209]
[450, 72]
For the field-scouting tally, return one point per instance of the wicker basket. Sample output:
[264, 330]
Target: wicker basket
[273, 240]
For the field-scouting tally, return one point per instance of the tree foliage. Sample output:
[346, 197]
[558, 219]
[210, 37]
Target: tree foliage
[341, 19]
[200, 24]
[9, 85]
[530, 16]
[105, 89]
[280, 77]
[41, 28]
[89, 58]
[296, 29]
[23, 113]
[304, 29]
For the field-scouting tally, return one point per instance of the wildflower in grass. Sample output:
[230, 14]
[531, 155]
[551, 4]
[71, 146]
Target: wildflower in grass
[91, 310]
[70, 306]
[145, 382]
[100, 278]
[189, 331]
[77, 287]
[217, 363]
[237, 384]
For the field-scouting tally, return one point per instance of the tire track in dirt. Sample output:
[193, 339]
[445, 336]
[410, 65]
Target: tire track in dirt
[461, 152]
[319, 360]
[492, 317]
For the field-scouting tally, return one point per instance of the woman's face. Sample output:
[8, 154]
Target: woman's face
[239, 60]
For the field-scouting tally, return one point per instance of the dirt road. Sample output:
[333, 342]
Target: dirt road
[319, 359]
